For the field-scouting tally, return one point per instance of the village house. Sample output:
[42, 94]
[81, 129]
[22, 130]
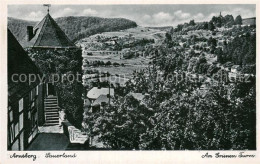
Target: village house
[25, 99]
[235, 71]
[97, 98]
[95, 92]
[137, 96]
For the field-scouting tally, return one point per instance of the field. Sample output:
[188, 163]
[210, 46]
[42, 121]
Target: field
[138, 33]
[129, 64]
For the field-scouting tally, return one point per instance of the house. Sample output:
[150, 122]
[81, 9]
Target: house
[235, 68]
[25, 99]
[138, 96]
[95, 92]
[235, 71]
[102, 100]
[87, 102]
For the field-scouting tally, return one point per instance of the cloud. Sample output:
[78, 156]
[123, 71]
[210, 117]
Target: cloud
[64, 12]
[198, 16]
[163, 16]
[147, 17]
[165, 19]
[158, 19]
[245, 13]
[181, 15]
[72, 12]
[89, 11]
[35, 15]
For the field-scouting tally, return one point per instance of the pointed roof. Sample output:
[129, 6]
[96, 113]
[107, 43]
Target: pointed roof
[19, 63]
[47, 34]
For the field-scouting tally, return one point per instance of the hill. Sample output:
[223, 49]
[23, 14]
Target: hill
[164, 28]
[75, 27]
[18, 27]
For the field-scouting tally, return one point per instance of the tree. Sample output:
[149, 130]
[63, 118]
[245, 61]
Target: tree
[121, 125]
[211, 26]
[229, 20]
[238, 20]
[206, 26]
[192, 23]
[108, 63]
[168, 36]
[219, 53]
[177, 114]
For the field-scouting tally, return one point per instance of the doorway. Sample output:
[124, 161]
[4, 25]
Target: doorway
[50, 89]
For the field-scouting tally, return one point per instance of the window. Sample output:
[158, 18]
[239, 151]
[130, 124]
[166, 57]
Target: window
[33, 93]
[11, 132]
[29, 115]
[11, 116]
[20, 104]
[37, 90]
[21, 121]
[35, 117]
[31, 96]
[16, 131]
[30, 138]
[21, 141]
[15, 110]
[35, 133]
[26, 102]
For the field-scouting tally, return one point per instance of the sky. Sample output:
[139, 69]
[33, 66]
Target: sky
[143, 15]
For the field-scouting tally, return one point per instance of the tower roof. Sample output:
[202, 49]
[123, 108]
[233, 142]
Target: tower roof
[47, 34]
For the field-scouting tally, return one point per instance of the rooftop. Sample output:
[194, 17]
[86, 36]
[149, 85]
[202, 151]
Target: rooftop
[101, 99]
[138, 96]
[19, 63]
[95, 92]
[47, 34]
[235, 66]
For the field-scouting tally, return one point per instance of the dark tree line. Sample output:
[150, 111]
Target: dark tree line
[241, 50]
[216, 21]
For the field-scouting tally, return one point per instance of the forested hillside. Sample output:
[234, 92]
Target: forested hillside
[75, 27]
[18, 27]
[80, 27]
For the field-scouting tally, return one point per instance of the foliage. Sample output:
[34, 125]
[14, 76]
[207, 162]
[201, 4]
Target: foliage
[116, 124]
[238, 20]
[177, 115]
[18, 27]
[67, 64]
[242, 50]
